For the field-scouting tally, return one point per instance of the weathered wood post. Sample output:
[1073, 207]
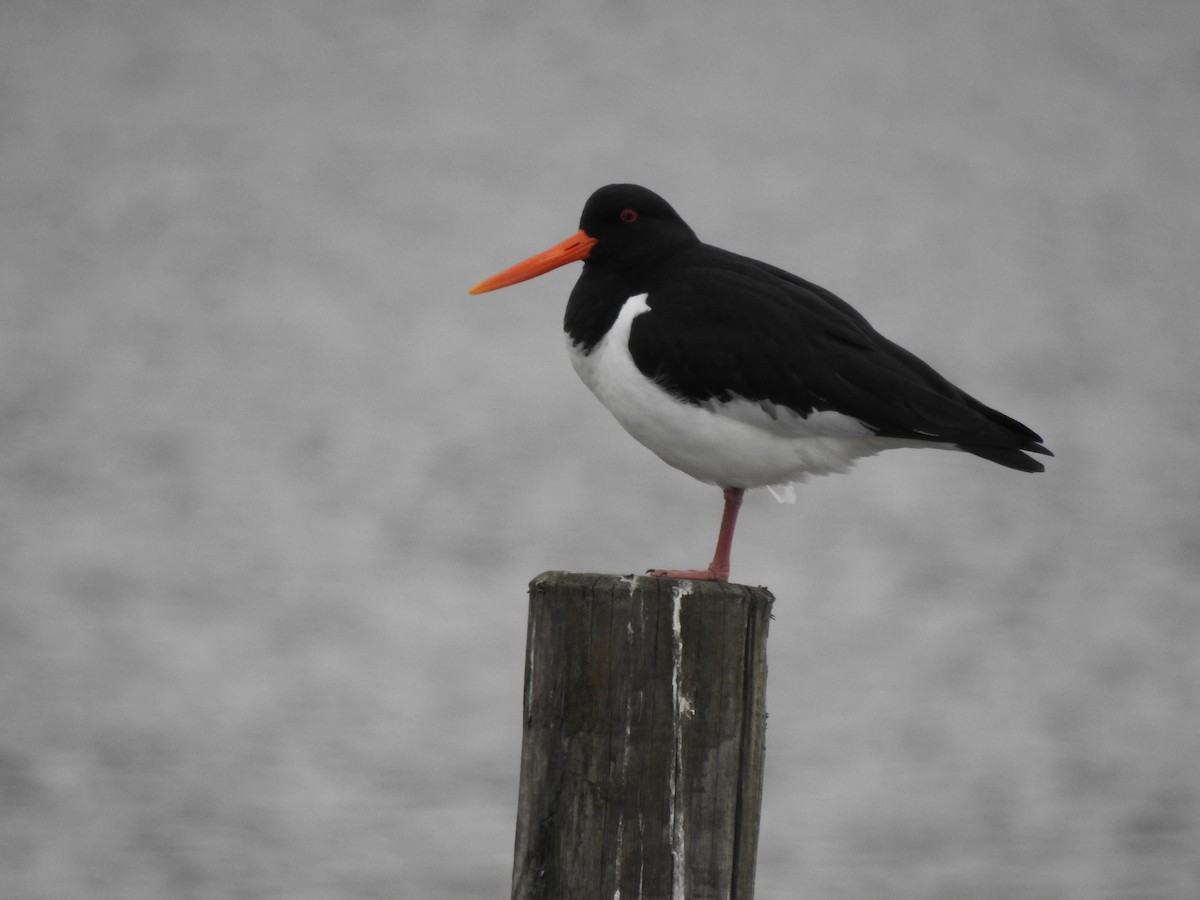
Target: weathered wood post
[642, 757]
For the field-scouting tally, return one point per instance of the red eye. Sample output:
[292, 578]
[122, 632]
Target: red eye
[629, 215]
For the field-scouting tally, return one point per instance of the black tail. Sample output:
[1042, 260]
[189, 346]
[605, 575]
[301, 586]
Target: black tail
[1005, 441]
[1012, 457]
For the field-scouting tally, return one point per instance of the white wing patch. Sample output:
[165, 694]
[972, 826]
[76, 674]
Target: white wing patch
[785, 421]
[784, 493]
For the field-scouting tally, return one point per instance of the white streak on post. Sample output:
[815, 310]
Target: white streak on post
[620, 849]
[682, 707]
[623, 783]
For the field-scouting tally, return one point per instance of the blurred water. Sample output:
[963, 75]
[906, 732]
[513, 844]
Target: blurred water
[273, 486]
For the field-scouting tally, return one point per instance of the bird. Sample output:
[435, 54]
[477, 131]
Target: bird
[740, 373]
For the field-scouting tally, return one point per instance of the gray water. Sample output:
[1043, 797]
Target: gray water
[273, 485]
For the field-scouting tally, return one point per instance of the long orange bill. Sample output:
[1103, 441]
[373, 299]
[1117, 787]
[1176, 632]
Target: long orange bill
[574, 248]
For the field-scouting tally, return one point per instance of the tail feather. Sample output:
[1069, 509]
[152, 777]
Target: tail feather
[1012, 457]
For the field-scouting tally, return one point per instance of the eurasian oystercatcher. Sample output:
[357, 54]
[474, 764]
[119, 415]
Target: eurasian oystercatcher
[738, 373]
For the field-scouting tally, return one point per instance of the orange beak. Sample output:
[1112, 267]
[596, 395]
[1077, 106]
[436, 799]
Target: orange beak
[574, 248]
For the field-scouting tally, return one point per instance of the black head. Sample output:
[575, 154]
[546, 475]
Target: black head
[632, 226]
[623, 227]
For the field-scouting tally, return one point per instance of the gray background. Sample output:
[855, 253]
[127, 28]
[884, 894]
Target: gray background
[273, 485]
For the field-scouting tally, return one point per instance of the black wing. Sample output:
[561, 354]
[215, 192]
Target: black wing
[722, 325]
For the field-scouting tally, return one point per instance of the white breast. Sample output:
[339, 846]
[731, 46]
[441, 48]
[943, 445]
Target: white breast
[740, 444]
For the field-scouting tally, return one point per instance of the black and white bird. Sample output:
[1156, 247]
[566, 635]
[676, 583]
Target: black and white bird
[738, 373]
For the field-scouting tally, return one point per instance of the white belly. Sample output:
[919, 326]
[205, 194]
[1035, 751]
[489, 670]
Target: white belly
[740, 444]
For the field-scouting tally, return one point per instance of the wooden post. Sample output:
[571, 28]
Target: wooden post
[642, 757]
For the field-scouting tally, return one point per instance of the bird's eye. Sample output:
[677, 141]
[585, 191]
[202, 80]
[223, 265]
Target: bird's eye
[629, 215]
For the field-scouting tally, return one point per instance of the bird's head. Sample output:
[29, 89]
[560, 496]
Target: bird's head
[622, 225]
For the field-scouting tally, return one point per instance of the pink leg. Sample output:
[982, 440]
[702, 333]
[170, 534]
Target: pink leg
[718, 569]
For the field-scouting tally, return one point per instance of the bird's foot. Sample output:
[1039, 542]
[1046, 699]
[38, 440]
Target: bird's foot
[718, 569]
[709, 574]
